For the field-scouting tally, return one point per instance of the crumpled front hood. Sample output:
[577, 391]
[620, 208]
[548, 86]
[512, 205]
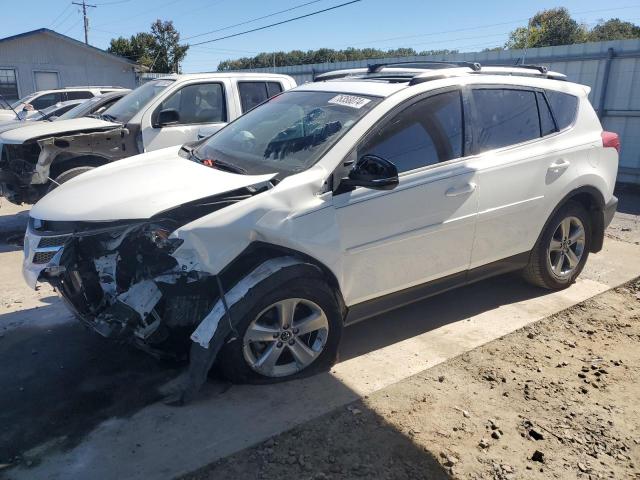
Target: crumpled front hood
[33, 130]
[137, 187]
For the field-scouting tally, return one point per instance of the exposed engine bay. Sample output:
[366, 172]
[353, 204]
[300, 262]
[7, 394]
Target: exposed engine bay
[120, 278]
[27, 169]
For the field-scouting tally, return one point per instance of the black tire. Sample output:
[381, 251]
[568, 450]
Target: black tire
[67, 175]
[539, 272]
[300, 281]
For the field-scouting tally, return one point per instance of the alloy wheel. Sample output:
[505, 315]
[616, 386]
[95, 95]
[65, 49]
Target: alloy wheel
[285, 337]
[566, 247]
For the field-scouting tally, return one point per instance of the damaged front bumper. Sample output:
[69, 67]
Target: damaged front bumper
[119, 279]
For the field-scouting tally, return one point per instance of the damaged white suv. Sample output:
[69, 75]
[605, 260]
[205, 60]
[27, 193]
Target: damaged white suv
[330, 203]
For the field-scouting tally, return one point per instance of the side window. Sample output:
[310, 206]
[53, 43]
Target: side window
[273, 88]
[79, 95]
[199, 103]
[564, 108]
[46, 100]
[505, 117]
[547, 125]
[428, 132]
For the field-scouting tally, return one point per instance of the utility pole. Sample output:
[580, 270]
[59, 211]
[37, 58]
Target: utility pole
[84, 6]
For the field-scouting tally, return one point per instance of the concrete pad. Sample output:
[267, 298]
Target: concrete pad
[162, 442]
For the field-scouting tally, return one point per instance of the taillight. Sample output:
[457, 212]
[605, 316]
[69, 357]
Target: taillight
[611, 140]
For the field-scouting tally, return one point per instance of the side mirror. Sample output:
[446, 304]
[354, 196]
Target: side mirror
[170, 116]
[372, 172]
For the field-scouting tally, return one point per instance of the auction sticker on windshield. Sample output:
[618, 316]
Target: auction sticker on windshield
[352, 101]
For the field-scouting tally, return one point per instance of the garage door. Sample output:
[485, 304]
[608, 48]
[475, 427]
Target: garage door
[46, 80]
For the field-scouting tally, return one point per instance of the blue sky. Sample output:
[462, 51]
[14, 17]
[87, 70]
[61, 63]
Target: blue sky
[466, 25]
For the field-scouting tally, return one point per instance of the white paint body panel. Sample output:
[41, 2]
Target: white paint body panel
[374, 242]
[50, 129]
[139, 192]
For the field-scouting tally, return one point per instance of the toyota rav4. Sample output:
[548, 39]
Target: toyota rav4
[330, 203]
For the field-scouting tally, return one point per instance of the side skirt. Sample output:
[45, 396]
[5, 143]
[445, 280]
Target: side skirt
[386, 303]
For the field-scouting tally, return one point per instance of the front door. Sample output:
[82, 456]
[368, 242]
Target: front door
[423, 229]
[201, 107]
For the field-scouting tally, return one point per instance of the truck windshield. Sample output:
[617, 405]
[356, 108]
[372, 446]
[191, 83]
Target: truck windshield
[286, 134]
[125, 108]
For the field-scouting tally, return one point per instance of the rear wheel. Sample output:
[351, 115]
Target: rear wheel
[292, 329]
[67, 175]
[562, 250]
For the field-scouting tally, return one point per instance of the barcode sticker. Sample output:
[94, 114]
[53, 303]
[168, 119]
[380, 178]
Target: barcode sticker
[352, 101]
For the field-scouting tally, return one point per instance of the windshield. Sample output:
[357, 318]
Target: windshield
[81, 109]
[287, 134]
[26, 99]
[125, 108]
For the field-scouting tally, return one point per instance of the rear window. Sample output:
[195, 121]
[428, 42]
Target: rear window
[505, 117]
[79, 95]
[564, 108]
[254, 93]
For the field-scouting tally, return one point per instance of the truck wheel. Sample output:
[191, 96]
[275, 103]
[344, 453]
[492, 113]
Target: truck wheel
[562, 250]
[292, 328]
[67, 175]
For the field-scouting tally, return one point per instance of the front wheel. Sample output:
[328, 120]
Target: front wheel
[67, 175]
[562, 250]
[291, 329]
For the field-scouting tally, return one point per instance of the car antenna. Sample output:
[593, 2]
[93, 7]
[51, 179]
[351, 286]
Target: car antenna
[9, 105]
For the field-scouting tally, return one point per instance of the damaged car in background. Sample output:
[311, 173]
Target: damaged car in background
[161, 113]
[326, 205]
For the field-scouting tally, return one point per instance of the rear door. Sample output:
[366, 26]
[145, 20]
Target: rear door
[202, 106]
[510, 128]
[253, 93]
[423, 229]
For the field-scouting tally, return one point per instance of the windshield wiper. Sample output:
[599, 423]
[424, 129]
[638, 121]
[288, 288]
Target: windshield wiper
[219, 164]
[228, 167]
[108, 118]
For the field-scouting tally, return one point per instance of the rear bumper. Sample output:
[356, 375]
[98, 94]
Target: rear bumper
[610, 210]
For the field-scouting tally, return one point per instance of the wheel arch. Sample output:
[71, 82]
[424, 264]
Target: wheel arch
[65, 161]
[593, 201]
[257, 252]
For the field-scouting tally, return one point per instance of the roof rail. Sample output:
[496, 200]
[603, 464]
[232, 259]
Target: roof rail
[434, 70]
[377, 67]
[540, 68]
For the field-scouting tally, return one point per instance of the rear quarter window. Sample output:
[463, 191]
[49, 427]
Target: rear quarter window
[564, 107]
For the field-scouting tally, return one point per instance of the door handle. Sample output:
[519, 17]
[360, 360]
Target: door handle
[559, 165]
[463, 190]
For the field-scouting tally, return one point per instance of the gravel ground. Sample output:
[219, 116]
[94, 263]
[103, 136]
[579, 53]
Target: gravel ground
[557, 399]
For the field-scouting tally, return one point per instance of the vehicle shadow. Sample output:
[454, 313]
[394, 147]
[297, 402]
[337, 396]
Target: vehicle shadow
[434, 312]
[59, 380]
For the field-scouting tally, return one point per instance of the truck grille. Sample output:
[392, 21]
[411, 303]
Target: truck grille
[47, 242]
[43, 257]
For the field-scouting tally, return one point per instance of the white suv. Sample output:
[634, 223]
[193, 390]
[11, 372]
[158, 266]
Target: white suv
[328, 204]
[42, 99]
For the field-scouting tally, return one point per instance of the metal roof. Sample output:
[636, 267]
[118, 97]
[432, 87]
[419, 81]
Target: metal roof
[78, 43]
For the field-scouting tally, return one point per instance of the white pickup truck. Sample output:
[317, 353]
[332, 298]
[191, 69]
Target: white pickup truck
[168, 111]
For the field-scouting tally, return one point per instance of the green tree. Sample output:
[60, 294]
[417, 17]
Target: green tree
[546, 28]
[160, 51]
[322, 55]
[613, 29]
[167, 49]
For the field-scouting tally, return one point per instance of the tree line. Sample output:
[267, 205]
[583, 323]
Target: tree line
[160, 49]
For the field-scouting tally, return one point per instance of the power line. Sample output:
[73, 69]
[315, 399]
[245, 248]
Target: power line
[278, 23]
[60, 15]
[64, 20]
[254, 19]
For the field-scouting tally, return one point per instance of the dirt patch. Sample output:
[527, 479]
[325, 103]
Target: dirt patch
[558, 399]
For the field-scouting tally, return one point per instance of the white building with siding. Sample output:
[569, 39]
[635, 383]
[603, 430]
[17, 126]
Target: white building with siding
[43, 59]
